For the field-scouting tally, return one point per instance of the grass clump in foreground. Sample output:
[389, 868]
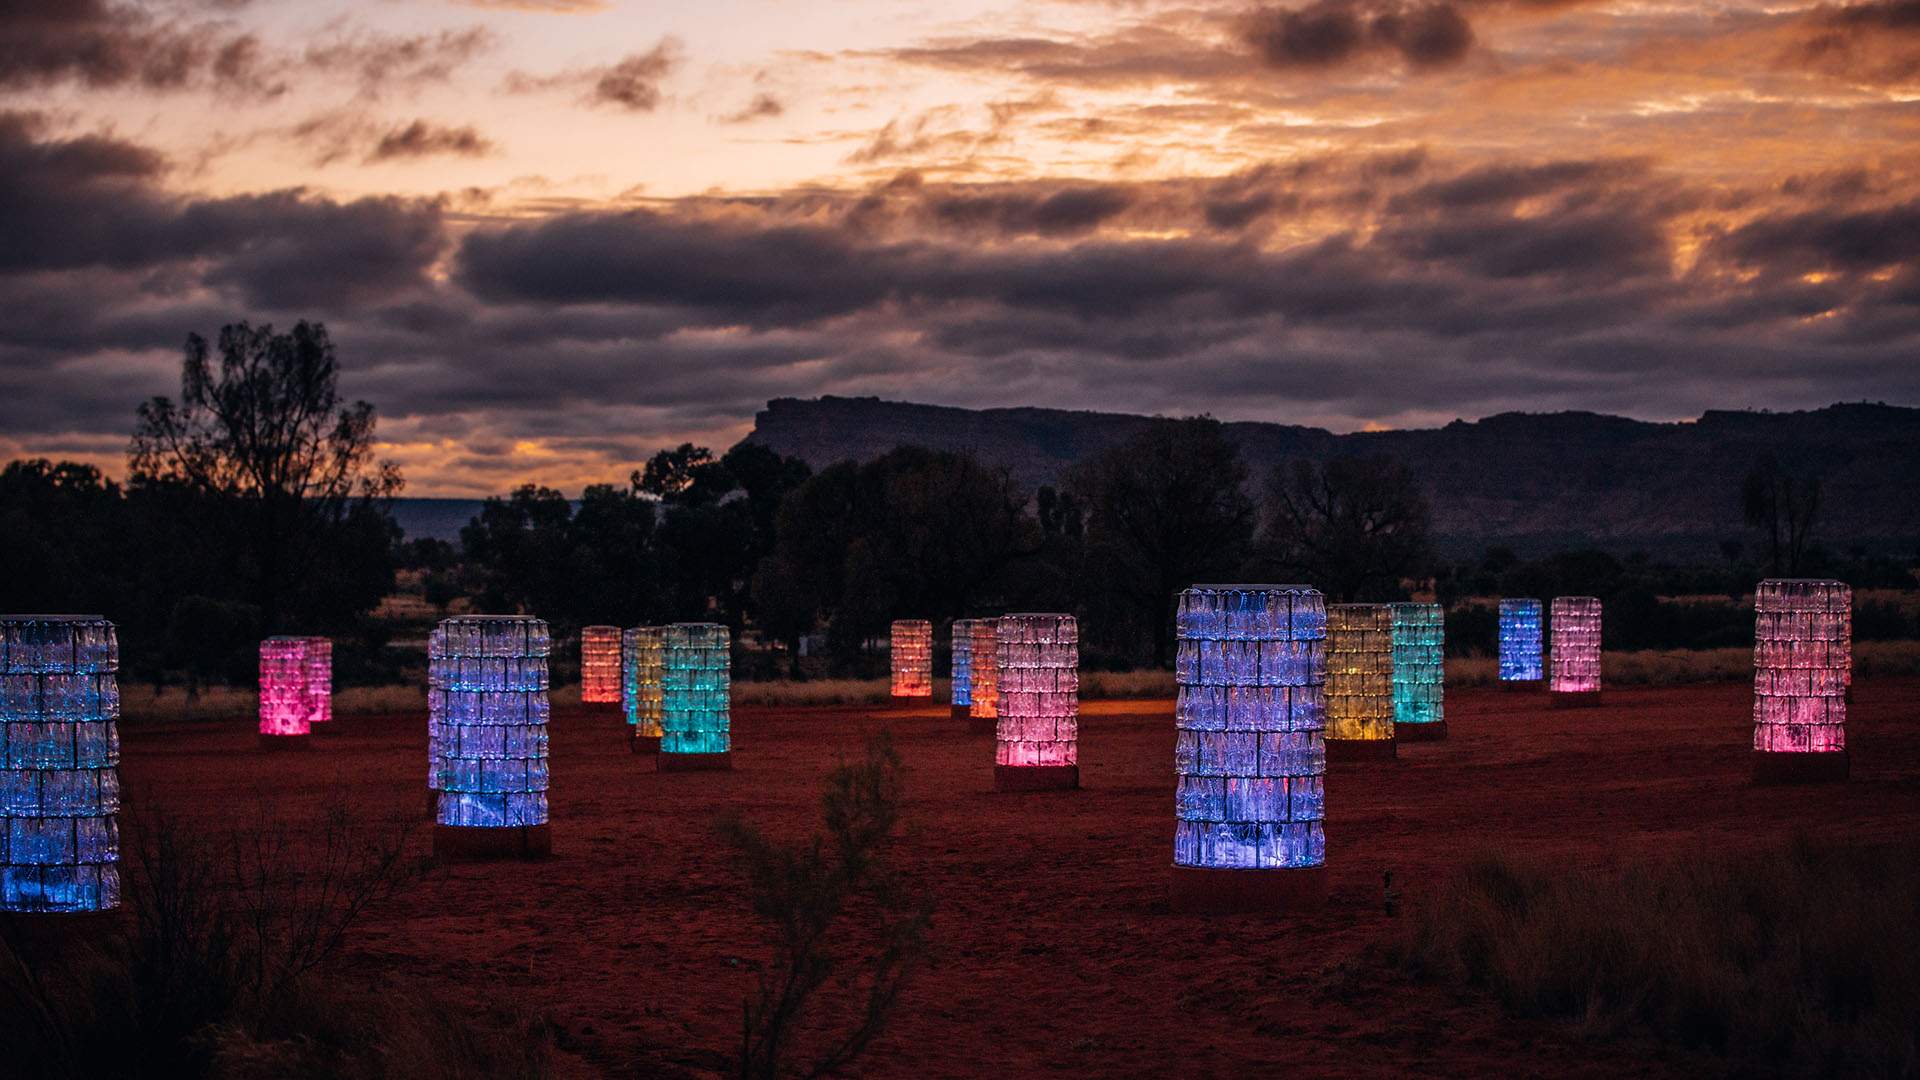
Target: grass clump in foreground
[844, 920]
[222, 962]
[1790, 961]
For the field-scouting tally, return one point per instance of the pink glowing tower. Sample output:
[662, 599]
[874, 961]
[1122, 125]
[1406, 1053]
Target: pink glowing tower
[1802, 653]
[286, 706]
[1037, 743]
[1573, 671]
[320, 681]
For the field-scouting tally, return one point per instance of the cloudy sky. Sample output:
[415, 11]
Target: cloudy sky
[550, 236]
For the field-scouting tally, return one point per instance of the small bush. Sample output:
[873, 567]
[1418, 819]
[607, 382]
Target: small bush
[836, 895]
[213, 966]
[1795, 960]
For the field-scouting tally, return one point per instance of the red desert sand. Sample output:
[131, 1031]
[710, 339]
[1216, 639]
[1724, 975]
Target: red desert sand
[1053, 946]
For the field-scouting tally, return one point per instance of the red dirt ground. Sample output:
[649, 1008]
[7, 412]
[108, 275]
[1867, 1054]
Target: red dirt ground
[1053, 946]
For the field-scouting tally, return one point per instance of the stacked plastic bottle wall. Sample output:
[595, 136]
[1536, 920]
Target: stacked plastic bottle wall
[1250, 763]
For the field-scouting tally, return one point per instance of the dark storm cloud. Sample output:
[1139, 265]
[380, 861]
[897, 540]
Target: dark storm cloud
[1328, 33]
[423, 139]
[1830, 238]
[96, 201]
[1877, 41]
[1073, 210]
[105, 45]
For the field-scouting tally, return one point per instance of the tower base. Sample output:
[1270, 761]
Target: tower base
[1360, 750]
[720, 762]
[982, 725]
[960, 712]
[49, 935]
[1208, 891]
[285, 742]
[461, 843]
[1575, 699]
[1528, 685]
[1431, 731]
[1828, 767]
[1036, 777]
[643, 744]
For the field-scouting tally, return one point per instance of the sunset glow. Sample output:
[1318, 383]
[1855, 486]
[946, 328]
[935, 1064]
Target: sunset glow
[552, 237]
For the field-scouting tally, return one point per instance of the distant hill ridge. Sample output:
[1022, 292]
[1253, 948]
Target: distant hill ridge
[1531, 481]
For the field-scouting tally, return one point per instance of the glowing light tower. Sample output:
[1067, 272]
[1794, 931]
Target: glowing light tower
[599, 664]
[59, 782]
[1574, 675]
[286, 704]
[696, 685]
[1252, 668]
[1419, 672]
[487, 713]
[1037, 739]
[912, 660]
[1802, 649]
[983, 715]
[1520, 665]
[961, 681]
[1359, 682]
[320, 683]
[642, 656]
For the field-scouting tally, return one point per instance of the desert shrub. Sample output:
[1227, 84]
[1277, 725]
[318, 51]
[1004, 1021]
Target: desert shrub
[843, 919]
[1794, 960]
[213, 966]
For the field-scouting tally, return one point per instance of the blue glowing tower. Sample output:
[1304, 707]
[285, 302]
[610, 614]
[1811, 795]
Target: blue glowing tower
[1520, 642]
[1251, 764]
[60, 788]
[487, 710]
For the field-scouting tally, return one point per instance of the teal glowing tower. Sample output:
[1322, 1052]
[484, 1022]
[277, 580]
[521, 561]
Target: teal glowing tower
[1419, 672]
[60, 787]
[696, 687]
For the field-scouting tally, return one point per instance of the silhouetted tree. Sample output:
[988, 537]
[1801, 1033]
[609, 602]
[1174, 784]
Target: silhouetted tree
[671, 474]
[1352, 528]
[1784, 506]
[914, 532]
[1164, 510]
[274, 459]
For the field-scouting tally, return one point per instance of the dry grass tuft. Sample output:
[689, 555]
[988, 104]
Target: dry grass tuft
[1795, 960]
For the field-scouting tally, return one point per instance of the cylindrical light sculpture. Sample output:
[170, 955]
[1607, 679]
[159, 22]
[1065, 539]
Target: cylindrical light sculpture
[60, 784]
[1574, 675]
[642, 656]
[696, 686]
[1419, 672]
[1248, 755]
[983, 715]
[961, 666]
[1037, 739]
[487, 699]
[599, 664]
[1520, 663]
[320, 683]
[1802, 649]
[1359, 682]
[286, 705]
[912, 659]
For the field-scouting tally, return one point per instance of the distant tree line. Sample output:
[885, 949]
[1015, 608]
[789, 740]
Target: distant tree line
[253, 506]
